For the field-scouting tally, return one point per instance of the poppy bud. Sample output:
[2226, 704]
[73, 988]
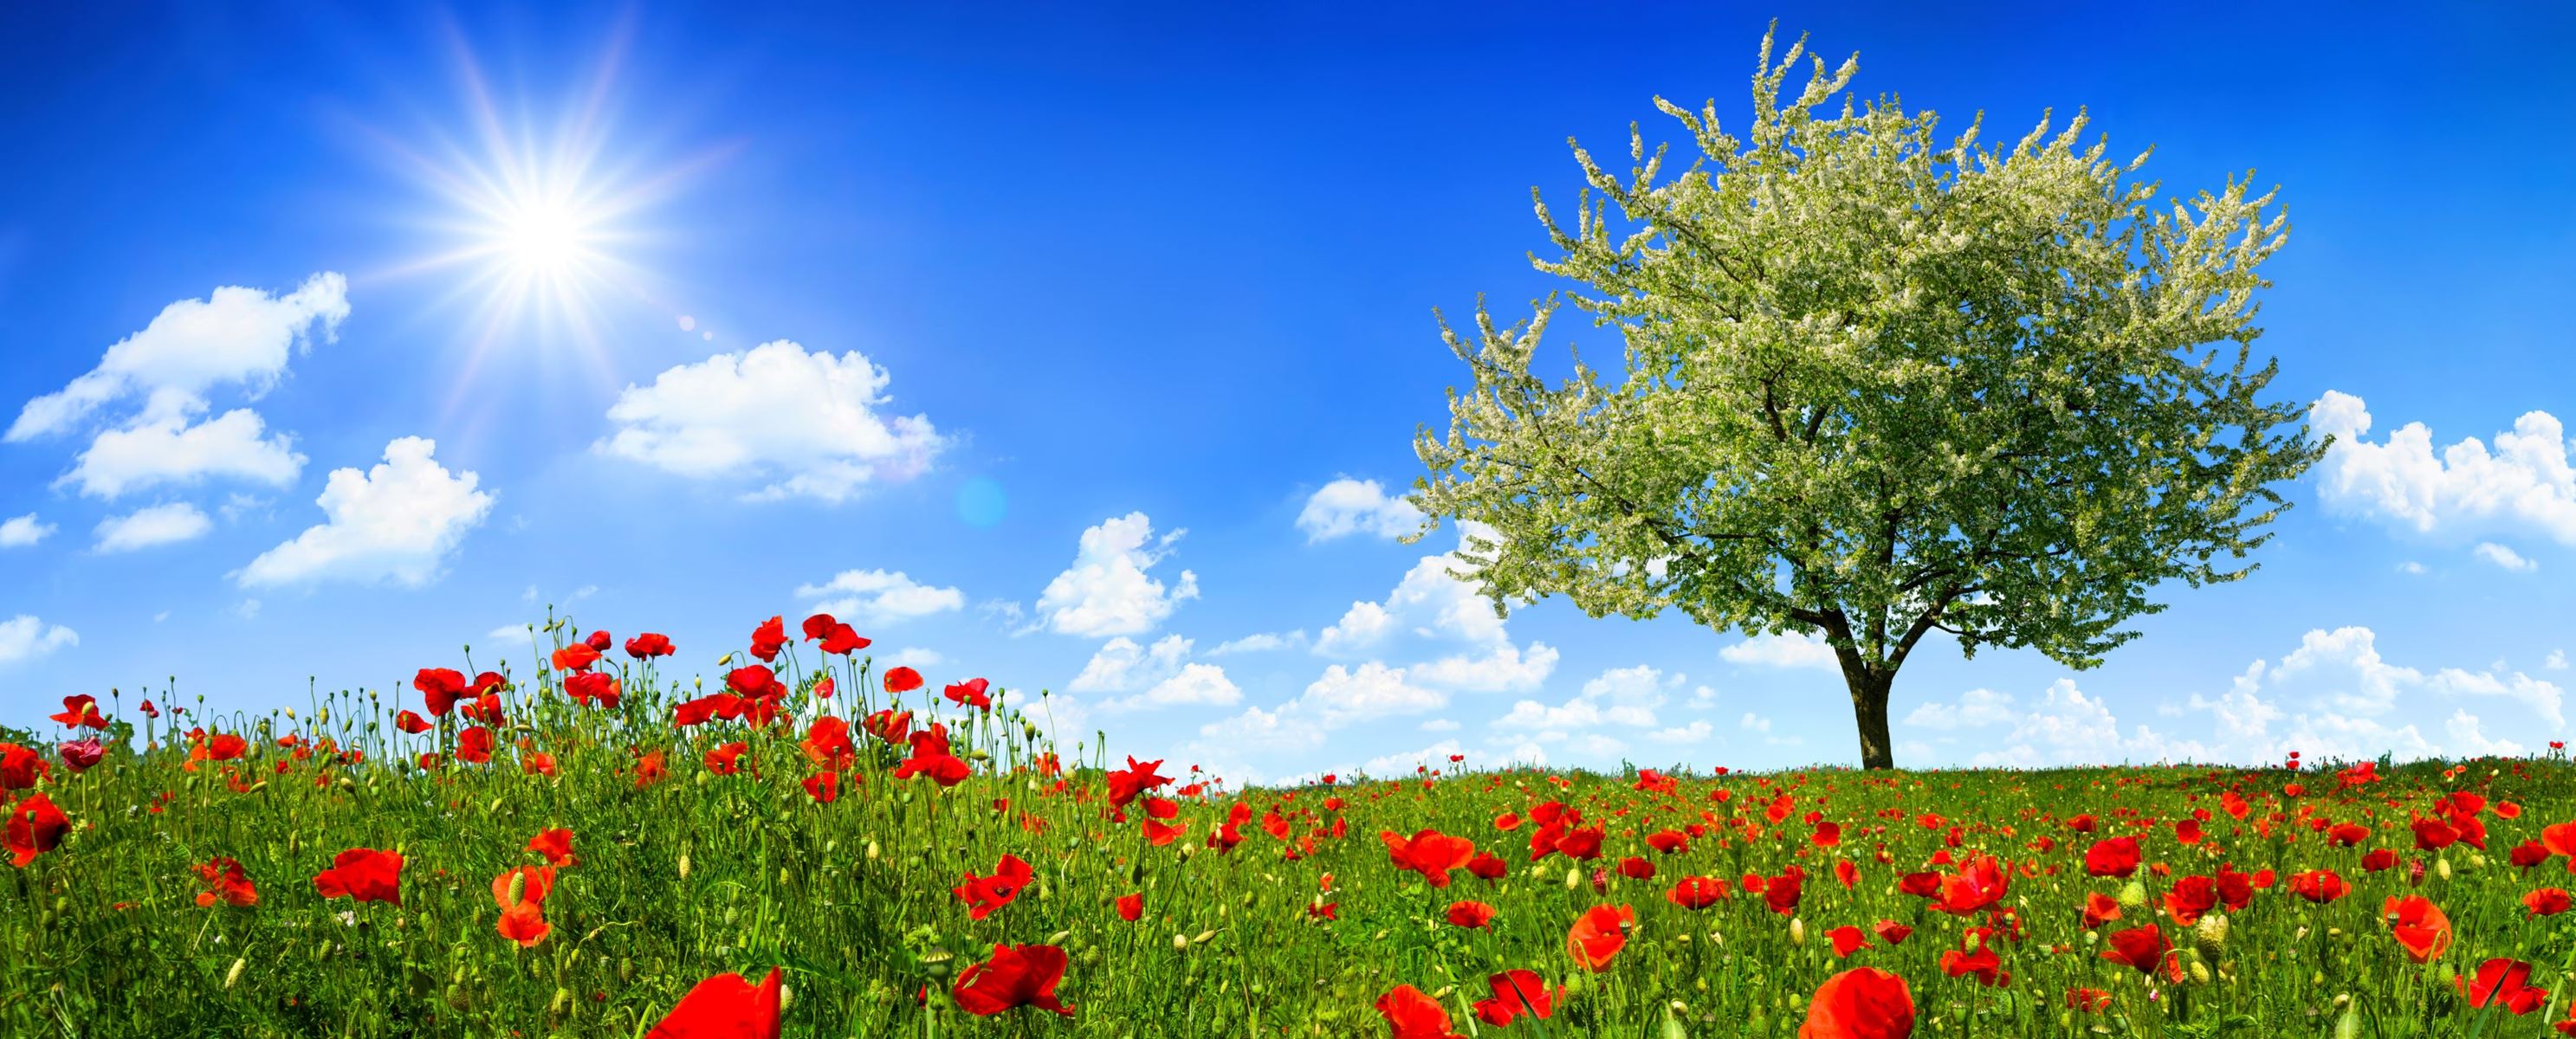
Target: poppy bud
[2442, 868]
[556, 1005]
[1797, 931]
[1573, 878]
[684, 865]
[2211, 934]
[872, 851]
[786, 998]
[2349, 1025]
[518, 886]
[625, 968]
[234, 975]
[1180, 941]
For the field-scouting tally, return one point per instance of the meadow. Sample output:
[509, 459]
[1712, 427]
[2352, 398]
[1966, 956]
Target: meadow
[578, 847]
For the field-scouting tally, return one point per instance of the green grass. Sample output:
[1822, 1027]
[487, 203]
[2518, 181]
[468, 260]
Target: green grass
[700, 874]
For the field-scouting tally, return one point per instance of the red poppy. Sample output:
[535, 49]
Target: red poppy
[1516, 992]
[827, 742]
[2345, 835]
[2319, 885]
[985, 894]
[902, 680]
[769, 638]
[2548, 901]
[969, 693]
[2504, 983]
[1847, 940]
[1861, 1003]
[1130, 907]
[1782, 892]
[521, 893]
[80, 754]
[1486, 865]
[1428, 852]
[823, 787]
[226, 883]
[1470, 914]
[889, 726]
[2419, 926]
[1160, 834]
[1581, 844]
[1125, 784]
[1982, 964]
[576, 657]
[726, 760]
[555, 845]
[2379, 859]
[1696, 893]
[649, 644]
[1599, 934]
[35, 827]
[724, 1007]
[2560, 839]
[1980, 883]
[598, 687]
[1413, 1015]
[600, 641]
[1891, 932]
[1016, 976]
[439, 688]
[2114, 857]
[362, 875]
[410, 722]
[931, 757]
[752, 680]
[2088, 1000]
[2142, 948]
[80, 710]
[2190, 898]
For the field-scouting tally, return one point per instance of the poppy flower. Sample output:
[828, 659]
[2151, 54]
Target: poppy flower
[1160, 834]
[21, 768]
[521, 893]
[2088, 1000]
[1412, 1015]
[474, 745]
[35, 827]
[2112, 857]
[2319, 885]
[80, 754]
[440, 687]
[2548, 901]
[590, 687]
[226, 883]
[2345, 835]
[576, 657]
[2379, 859]
[1982, 964]
[649, 769]
[2190, 898]
[769, 638]
[1581, 844]
[410, 722]
[751, 680]
[1599, 934]
[78, 711]
[2503, 982]
[1696, 893]
[889, 726]
[1847, 940]
[931, 757]
[1470, 914]
[599, 641]
[1130, 907]
[362, 875]
[1891, 932]
[1125, 784]
[2528, 854]
[648, 645]
[902, 680]
[2419, 926]
[1861, 1003]
[2142, 948]
[1782, 892]
[985, 894]
[1979, 884]
[1015, 976]
[1428, 852]
[823, 787]
[827, 742]
[1516, 992]
[1487, 866]
[555, 845]
[969, 694]
[724, 1007]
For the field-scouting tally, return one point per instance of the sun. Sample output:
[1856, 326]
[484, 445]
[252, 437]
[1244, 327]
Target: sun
[543, 237]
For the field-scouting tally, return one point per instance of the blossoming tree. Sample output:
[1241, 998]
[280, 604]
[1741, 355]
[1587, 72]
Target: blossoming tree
[1877, 386]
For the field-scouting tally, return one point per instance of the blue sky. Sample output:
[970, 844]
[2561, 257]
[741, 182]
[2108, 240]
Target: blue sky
[1090, 314]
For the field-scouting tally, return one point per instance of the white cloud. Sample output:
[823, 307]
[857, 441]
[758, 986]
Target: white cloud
[171, 451]
[397, 523]
[234, 336]
[1433, 756]
[1262, 642]
[2556, 661]
[1438, 725]
[1755, 723]
[1193, 684]
[23, 637]
[2467, 739]
[1364, 625]
[2524, 483]
[2410, 567]
[1107, 590]
[1342, 696]
[1703, 698]
[22, 531]
[807, 422]
[1434, 604]
[1797, 649]
[166, 524]
[915, 656]
[2505, 557]
[1691, 733]
[1976, 707]
[1346, 506]
[1504, 668]
[880, 597]
[1122, 665]
[1625, 696]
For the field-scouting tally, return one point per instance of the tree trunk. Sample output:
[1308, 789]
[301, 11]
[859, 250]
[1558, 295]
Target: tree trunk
[1869, 708]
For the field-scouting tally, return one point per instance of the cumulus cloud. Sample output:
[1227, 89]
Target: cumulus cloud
[23, 531]
[1262, 642]
[169, 450]
[1347, 506]
[1109, 589]
[1798, 649]
[1434, 756]
[2504, 558]
[1504, 667]
[880, 597]
[811, 424]
[1625, 697]
[1342, 696]
[396, 523]
[1122, 665]
[2523, 484]
[235, 336]
[166, 524]
[915, 656]
[24, 637]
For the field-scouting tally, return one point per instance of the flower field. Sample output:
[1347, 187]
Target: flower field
[804, 845]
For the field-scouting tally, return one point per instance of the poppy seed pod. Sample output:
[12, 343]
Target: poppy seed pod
[938, 961]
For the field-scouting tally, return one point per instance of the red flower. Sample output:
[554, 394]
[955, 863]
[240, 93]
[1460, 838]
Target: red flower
[1891, 932]
[599, 641]
[1782, 892]
[931, 757]
[2419, 925]
[1413, 1015]
[1016, 976]
[362, 875]
[836, 637]
[889, 726]
[724, 1007]
[523, 911]
[1983, 964]
[2379, 859]
[1581, 844]
[1488, 866]
[1696, 893]
[474, 745]
[902, 680]
[649, 644]
[823, 787]
[1516, 992]
[1979, 884]
[2088, 1000]
[576, 657]
[1599, 934]
[439, 688]
[752, 680]
[769, 638]
[1135, 779]
[555, 845]
[2142, 948]
[598, 687]
[35, 827]
[1847, 940]
[1428, 852]
[2503, 982]
[2115, 857]
[80, 754]
[21, 768]
[80, 710]
[411, 722]
[226, 883]
[1470, 914]
[2190, 898]
[2319, 885]
[1130, 907]
[726, 760]
[985, 894]
[969, 694]
[2548, 901]
[1862, 1003]
[827, 741]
